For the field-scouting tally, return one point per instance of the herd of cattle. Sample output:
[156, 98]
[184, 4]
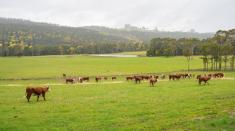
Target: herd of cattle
[152, 79]
[41, 91]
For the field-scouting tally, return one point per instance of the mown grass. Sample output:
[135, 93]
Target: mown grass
[77, 65]
[169, 105]
[113, 105]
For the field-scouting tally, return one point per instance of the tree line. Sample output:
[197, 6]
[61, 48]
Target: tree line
[214, 50]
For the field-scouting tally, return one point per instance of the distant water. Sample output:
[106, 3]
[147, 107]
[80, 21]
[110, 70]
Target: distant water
[116, 55]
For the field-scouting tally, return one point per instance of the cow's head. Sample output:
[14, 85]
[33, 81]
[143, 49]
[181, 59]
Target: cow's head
[48, 89]
[224, 74]
[157, 80]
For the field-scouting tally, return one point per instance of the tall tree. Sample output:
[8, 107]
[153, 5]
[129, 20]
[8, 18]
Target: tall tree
[187, 54]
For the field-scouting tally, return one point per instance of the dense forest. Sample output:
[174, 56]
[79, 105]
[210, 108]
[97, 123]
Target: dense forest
[216, 49]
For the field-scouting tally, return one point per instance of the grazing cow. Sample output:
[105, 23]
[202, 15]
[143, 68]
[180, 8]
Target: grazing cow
[36, 91]
[153, 81]
[105, 78]
[221, 75]
[178, 76]
[193, 75]
[129, 77]
[114, 78]
[162, 76]
[171, 77]
[80, 79]
[205, 78]
[97, 79]
[182, 75]
[155, 76]
[137, 76]
[188, 75]
[145, 77]
[86, 78]
[72, 80]
[64, 75]
[137, 79]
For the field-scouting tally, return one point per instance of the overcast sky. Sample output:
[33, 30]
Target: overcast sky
[201, 15]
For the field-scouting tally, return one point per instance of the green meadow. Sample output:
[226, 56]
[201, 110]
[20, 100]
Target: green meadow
[113, 105]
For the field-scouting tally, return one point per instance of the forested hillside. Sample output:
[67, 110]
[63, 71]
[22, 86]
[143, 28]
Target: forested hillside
[146, 35]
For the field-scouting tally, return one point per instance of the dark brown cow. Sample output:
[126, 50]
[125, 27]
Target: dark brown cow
[97, 79]
[129, 77]
[105, 78]
[145, 77]
[171, 77]
[80, 79]
[114, 78]
[153, 81]
[137, 79]
[221, 75]
[36, 91]
[162, 76]
[86, 78]
[182, 75]
[72, 80]
[137, 76]
[64, 75]
[205, 78]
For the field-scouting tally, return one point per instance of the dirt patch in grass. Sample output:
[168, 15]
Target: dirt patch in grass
[225, 78]
[12, 85]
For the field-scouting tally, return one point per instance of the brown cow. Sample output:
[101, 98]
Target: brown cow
[114, 78]
[153, 81]
[193, 75]
[198, 76]
[209, 75]
[137, 76]
[205, 78]
[64, 75]
[171, 77]
[86, 78]
[178, 76]
[182, 75]
[189, 75]
[72, 80]
[129, 77]
[105, 78]
[137, 79]
[162, 76]
[221, 74]
[97, 79]
[80, 79]
[36, 91]
[155, 76]
[145, 77]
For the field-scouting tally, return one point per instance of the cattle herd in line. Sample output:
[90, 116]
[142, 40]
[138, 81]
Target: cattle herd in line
[41, 91]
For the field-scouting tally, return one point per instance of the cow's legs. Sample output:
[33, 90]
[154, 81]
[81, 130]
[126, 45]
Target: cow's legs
[28, 97]
[44, 96]
[38, 97]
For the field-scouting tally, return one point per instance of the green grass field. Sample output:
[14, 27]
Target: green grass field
[113, 105]
[77, 65]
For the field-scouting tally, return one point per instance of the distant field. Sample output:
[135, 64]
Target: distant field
[140, 53]
[77, 65]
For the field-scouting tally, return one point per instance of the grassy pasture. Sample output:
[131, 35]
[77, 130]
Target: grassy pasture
[77, 65]
[113, 105]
